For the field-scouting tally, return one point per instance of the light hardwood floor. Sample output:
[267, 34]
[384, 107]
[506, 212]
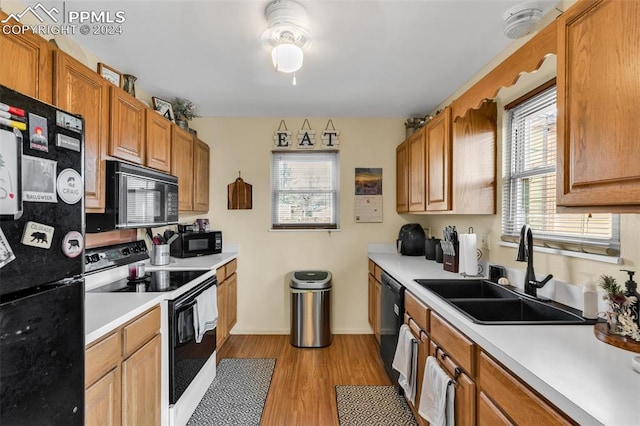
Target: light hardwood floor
[302, 388]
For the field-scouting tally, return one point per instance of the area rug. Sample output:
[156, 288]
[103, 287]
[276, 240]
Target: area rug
[237, 394]
[372, 405]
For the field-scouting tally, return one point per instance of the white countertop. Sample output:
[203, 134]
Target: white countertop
[104, 312]
[590, 381]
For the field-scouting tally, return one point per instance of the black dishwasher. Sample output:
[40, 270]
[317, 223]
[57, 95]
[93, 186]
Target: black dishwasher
[391, 318]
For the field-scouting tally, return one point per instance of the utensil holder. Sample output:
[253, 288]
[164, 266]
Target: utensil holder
[160, 254]
[451, 262]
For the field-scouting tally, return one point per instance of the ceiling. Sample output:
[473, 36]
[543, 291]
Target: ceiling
[384, 58]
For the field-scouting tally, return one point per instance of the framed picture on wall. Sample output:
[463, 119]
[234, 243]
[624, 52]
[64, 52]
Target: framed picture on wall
[164, 108]
[110, 74]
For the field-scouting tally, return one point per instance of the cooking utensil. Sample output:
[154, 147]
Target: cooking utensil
[172, 239]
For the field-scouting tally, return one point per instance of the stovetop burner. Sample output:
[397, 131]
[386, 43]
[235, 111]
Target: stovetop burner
[157, 281]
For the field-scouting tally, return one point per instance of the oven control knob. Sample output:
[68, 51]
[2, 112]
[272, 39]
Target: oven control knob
[95, 258]
[87, 259]
[126, 251]
[136, 249]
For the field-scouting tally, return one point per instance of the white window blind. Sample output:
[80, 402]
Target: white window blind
[529, 191]
[304, 190]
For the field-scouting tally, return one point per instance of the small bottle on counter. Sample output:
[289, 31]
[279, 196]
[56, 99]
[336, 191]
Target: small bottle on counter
[631, 291]
[590, 296]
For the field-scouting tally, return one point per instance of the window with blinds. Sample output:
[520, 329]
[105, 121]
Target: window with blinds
[304, 190]
[529, 184]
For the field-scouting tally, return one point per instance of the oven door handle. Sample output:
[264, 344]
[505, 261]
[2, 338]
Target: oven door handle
[186, 306]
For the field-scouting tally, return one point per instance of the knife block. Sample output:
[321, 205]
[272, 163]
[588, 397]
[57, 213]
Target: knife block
[451, 262]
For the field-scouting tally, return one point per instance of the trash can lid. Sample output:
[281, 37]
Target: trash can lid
[310, 275]
[311, 280]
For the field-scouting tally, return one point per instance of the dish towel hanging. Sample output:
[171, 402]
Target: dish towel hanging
[438, 395]
[405, 361]
[205, 312]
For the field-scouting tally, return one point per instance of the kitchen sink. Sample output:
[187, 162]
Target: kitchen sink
[485, 302]
[467, 289]
[515, 311]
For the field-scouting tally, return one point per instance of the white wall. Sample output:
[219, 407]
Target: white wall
[266, 257]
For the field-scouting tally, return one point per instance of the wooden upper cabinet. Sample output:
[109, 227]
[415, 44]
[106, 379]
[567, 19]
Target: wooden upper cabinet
[474, 161]
[182, 154]
[416, 163]
[127, 138]
[158, 141]
[79, 90]
[438, 162]
[598, 93]
[402, 178]
[26, 64]
[200, 176]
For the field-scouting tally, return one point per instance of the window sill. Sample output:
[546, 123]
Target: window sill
[587, 256]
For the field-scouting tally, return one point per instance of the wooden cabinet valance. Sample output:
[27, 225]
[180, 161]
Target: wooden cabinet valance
[527, 58]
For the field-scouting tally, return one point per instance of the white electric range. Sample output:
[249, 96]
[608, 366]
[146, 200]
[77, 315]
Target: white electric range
[188, 367]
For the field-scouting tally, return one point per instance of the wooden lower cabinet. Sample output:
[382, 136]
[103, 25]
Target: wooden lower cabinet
[486, 393]
[221, 328]
[232, 300]
[227, 295]
[417, 318]
[512, 398]
[373, 298]
[489, 414]
[102, 400]
[465, 401]
[141, 385]
[123, 374]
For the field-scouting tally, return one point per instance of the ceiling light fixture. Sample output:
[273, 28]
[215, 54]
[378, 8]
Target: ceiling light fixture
[521, 19]
[287, 35]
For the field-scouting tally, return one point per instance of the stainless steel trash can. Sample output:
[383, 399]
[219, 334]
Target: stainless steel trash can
[311, 309]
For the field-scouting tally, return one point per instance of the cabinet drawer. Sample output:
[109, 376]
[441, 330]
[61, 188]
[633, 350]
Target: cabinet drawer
[514, 398]
[101, 357]
[489, 414]
[221, 274]
[372, 267]
[465, 400]
[140, 330]
[378, 273]
[230, 268]
[454, 343]
[417, 310]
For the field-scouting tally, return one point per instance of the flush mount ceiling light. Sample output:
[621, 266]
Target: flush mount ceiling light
[287, 35]
[521, 18]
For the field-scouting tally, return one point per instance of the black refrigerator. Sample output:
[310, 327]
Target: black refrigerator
[41, 263]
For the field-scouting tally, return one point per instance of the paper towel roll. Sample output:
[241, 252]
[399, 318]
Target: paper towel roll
[468, 254]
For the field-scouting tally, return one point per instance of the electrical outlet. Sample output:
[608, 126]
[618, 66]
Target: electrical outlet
[484, 242]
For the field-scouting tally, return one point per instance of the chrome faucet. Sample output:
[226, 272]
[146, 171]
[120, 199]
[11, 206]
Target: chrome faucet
[525, 254]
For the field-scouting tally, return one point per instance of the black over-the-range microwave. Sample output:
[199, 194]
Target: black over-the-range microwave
[191, 244]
